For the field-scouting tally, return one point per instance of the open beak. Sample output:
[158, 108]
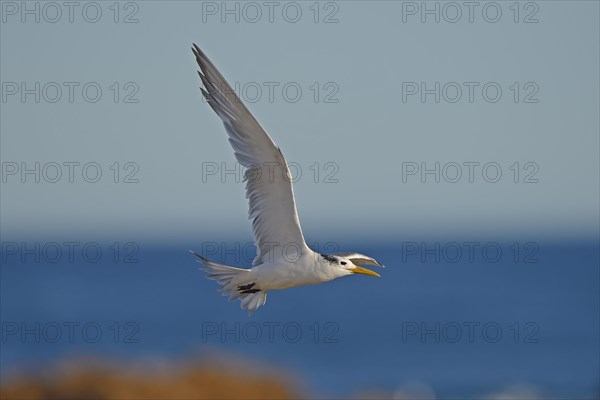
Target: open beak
[364, 271]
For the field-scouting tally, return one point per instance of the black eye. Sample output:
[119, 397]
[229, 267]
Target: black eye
[343, 263]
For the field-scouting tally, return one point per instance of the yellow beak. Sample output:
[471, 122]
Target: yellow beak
[364, 271]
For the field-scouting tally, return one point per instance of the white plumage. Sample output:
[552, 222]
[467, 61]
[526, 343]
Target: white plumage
[283, 260]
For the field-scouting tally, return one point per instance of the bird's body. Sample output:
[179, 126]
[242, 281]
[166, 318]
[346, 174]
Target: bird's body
[283, 260]
[310, 269]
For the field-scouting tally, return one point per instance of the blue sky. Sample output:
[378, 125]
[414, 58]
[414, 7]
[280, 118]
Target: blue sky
[342, 96]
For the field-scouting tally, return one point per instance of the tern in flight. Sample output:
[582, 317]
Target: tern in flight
[283, 258]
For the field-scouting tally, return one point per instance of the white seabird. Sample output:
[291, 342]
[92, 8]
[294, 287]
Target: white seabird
[283, 260]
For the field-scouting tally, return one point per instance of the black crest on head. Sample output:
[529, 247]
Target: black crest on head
[330, 259]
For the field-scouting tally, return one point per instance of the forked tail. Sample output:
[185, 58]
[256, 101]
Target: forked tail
[236, 283]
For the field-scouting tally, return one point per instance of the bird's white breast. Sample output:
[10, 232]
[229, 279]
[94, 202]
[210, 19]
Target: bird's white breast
[309, 269]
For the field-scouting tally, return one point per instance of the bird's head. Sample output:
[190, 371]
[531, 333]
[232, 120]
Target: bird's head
[350, 263]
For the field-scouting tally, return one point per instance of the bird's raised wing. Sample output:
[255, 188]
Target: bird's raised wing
[269, 190]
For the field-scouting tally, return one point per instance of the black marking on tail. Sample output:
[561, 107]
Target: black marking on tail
[248, 288]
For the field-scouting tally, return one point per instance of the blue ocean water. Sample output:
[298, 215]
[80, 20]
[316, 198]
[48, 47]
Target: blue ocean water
[463, 319]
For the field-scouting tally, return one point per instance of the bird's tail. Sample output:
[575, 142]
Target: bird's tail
[236, 283]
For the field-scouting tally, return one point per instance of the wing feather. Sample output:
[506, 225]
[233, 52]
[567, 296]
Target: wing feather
[272, 207]
[359, 259]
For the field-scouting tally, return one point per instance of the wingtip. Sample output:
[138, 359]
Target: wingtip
[377, 263]
[197, 51]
